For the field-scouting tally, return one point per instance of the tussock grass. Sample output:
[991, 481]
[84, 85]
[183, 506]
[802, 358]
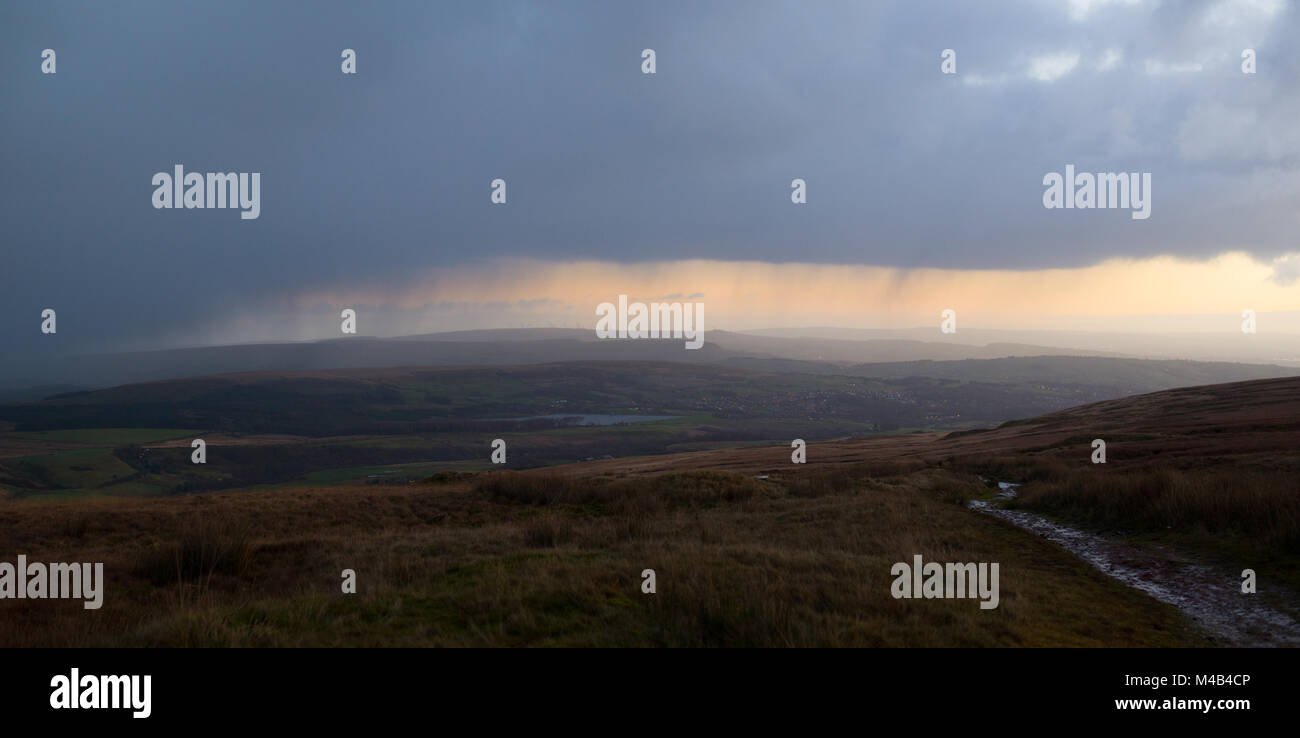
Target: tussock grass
[628, 493]
[828, 479]
[506, 559]
[528, 489]
[1020, 469]
[548, 530]
[1261, 508]
[203, 548]
[76, 526]
[1243, 512]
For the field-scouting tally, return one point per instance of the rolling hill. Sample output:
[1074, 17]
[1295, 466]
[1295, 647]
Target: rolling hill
[473, 348]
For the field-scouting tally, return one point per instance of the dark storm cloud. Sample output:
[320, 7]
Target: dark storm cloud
[386, 173]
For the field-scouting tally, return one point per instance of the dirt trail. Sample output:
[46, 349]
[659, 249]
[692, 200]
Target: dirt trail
[1210, 596]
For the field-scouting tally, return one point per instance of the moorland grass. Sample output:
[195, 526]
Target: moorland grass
[507, 559]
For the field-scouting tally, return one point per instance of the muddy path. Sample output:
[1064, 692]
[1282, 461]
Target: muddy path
[1209, 595]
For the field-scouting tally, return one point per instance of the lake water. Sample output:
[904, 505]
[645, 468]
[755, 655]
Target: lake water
[579, 419]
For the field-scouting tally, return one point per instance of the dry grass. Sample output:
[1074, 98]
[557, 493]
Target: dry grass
[1247, 506]
[548, 530]
[533, 560]
[204, 548]
[1257, 508]
[629, 493]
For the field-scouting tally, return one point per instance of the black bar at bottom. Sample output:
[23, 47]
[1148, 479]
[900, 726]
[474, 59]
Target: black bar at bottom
[337, 687]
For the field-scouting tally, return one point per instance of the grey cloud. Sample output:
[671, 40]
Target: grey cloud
[384, 174]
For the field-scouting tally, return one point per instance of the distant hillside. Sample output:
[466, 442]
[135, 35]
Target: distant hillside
[1279, 345]
[106, 370]
[847, 351]
[1130, 376]
[505, 347]
[395, 400]
[277, 427]
[875, 397]
[1251, 425]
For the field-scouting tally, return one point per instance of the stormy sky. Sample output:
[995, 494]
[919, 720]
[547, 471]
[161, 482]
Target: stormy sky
[375, 186]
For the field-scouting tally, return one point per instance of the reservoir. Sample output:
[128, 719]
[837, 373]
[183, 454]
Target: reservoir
[578, 419]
